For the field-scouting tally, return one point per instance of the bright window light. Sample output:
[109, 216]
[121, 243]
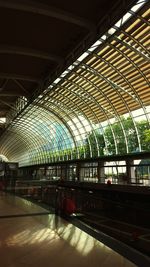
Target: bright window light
[2, 120]
[111, 31]
[137, 6]
[95, 45]
[126, 17]
[84, 55]
[57, 80]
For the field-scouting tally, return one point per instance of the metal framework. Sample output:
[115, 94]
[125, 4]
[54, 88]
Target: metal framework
[97, 107]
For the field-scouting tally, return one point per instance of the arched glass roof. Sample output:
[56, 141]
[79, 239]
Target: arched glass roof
[99, 106]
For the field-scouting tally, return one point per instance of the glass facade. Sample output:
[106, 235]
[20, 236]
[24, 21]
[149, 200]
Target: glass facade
[99, 106]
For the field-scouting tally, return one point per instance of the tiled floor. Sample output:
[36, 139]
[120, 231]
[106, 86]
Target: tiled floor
[48, 240]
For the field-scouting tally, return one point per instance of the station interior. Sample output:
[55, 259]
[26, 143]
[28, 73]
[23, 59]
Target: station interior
[75, 133]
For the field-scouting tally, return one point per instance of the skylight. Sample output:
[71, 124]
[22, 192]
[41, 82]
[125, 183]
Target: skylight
[102, 39]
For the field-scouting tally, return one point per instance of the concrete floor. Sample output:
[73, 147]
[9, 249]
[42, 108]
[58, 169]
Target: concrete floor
[28, 239]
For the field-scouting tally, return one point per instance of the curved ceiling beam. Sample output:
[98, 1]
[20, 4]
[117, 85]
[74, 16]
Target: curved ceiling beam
[21, 87]
[9, 104]
[6, 49]
[49, 11]
[10, 94]
[2, 111]
[19, 77]
[3, 84]
[13, 93]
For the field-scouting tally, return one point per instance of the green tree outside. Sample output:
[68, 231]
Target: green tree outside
[122, 137]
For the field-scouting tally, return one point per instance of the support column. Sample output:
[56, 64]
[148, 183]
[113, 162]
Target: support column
[78, 167]
[101, 172]
[64, 173]
[82, 173]
[131, 176]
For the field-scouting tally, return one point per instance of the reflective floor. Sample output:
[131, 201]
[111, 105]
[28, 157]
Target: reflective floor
[31, 237]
